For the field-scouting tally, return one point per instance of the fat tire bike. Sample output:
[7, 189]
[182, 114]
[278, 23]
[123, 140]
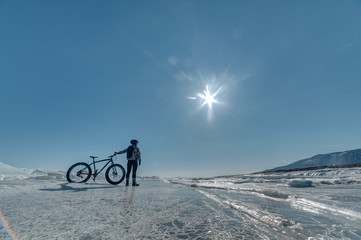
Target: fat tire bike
[81, 172]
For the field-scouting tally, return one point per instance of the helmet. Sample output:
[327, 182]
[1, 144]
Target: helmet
[134, 142]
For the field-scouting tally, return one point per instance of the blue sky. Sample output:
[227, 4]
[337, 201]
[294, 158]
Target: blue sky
[82, 78]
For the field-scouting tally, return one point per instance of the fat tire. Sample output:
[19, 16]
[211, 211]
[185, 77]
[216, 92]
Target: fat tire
[85, 165]
[120, 171]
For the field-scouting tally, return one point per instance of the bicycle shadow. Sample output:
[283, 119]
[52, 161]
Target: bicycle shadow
[68, 187]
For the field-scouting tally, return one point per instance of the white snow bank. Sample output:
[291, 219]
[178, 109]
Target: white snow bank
[9, 170]
[12, 173]
[48, 175]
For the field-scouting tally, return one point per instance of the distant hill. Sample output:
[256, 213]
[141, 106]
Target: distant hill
[351, 157]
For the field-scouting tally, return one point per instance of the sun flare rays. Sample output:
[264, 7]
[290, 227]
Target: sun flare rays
[207, 98]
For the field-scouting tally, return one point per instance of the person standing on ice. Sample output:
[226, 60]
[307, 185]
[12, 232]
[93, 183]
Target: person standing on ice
[133, 156]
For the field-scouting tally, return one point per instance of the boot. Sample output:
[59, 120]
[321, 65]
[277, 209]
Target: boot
[135, 183]
[127, 182]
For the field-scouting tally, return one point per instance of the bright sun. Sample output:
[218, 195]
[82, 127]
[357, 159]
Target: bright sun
[208, 97]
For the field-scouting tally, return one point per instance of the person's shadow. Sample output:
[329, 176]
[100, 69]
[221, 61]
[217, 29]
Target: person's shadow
[127, 209]
[127, 201]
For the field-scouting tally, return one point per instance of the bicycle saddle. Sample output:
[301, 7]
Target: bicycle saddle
[93, 157]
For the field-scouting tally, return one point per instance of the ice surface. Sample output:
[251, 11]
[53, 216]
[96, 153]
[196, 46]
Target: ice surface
[40, 204]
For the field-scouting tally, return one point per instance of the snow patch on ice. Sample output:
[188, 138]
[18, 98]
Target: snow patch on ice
[275, 194]
[321, 208]
[300, 184]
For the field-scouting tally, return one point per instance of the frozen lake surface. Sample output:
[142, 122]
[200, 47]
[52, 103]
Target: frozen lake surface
[323, 204]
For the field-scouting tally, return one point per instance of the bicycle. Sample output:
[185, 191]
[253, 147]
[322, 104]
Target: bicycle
[81, 172]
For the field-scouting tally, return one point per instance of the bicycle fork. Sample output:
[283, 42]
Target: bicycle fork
[113, 168]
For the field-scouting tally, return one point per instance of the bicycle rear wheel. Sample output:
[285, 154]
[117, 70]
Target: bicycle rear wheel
[79, 173]
[115, 174]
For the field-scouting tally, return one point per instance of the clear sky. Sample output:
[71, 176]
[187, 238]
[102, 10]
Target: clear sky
[82, 78]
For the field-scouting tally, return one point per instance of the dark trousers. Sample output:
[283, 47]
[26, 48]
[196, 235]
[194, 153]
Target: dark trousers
[132, 164]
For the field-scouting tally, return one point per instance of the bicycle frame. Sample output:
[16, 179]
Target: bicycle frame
[96, 173]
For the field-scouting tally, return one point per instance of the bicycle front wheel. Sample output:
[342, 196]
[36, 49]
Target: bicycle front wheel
[79, 173]
[115, 174]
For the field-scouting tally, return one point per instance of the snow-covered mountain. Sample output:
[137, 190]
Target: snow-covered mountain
[329, 159]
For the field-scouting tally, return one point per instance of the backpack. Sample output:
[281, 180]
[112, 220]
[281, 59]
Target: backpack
[130, 153]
